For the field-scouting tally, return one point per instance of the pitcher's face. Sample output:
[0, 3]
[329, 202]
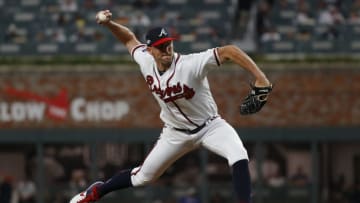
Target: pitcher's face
[163, 53]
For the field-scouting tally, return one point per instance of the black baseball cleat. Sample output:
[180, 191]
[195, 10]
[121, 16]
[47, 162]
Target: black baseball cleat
[91, 194]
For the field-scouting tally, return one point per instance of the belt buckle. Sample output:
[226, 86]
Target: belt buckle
[188, 131]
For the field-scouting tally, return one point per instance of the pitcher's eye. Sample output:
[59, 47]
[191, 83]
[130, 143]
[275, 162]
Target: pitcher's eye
[163, 46]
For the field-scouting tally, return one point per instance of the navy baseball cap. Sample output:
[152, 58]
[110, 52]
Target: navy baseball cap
[157, 36]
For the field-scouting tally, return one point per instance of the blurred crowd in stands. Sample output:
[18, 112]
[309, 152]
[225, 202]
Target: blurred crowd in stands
[68, 22]
[303, 22]
[20, 191]
[57, 26]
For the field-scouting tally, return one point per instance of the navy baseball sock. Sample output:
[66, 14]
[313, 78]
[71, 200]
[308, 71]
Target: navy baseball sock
[118, 181]
[241, 180]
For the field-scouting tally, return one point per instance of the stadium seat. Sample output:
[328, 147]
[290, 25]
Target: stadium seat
[279, 47]
[10, 48]
[323, 46]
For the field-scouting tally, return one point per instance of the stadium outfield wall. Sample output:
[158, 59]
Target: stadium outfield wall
[112, 96]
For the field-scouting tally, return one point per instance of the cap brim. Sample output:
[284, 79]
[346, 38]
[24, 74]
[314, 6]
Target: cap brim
[162, 40]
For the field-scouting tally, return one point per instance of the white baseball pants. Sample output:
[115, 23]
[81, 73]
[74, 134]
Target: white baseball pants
[218, 136]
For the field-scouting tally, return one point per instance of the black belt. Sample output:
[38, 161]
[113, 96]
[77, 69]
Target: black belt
[188, 131]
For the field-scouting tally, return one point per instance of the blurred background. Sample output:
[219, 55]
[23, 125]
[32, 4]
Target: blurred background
[74, 107]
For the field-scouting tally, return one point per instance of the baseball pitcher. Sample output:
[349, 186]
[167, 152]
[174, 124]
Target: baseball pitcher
[179, 84]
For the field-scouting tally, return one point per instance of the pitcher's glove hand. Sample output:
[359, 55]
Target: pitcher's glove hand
[255, 100]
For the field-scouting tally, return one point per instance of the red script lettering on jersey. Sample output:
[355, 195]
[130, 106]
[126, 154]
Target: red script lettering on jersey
[171, 93]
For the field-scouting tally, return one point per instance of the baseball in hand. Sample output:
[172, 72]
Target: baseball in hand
[101, 17]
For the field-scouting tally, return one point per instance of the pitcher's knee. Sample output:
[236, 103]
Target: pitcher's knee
[138, 178]
[237, 156]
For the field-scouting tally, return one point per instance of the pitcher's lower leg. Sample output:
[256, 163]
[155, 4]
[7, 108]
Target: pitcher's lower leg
[119, 181]
[241, 180]
[124, 179]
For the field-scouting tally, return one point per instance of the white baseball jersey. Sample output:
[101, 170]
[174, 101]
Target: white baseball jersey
[183, 91]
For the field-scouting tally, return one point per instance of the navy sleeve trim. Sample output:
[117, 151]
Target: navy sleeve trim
[134, 49]
[216, 56]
